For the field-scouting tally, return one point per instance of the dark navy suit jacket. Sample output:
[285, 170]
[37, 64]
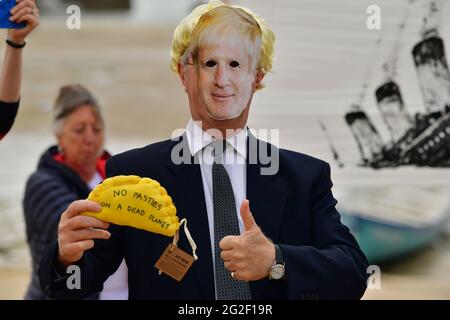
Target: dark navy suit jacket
[295, 208]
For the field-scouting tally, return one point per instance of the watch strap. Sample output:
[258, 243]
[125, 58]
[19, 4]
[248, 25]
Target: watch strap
[279, 258]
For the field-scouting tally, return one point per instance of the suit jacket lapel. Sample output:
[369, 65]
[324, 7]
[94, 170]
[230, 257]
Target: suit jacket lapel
[267, 196]
[191, 205]
[266, 193]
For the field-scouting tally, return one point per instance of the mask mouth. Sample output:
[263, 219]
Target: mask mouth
[221, 96]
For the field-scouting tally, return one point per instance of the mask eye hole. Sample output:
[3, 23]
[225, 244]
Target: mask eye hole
[234, 64]
[210, 63]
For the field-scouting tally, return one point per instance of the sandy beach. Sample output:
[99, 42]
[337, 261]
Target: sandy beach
[14, 281]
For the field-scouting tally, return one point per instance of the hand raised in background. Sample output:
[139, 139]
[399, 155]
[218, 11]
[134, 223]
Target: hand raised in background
[25, 11]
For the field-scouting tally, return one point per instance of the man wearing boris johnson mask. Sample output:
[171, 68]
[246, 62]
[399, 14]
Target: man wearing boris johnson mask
[252, 235]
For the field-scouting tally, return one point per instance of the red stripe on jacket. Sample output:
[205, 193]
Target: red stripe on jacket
[100, 165]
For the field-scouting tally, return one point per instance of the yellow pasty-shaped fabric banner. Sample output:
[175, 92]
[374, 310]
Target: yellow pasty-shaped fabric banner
[136, 202]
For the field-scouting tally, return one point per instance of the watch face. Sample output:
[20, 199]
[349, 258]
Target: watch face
[277, 271]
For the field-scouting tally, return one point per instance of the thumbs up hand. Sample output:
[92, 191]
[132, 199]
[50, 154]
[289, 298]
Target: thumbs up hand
[250, 255]
[247, 217]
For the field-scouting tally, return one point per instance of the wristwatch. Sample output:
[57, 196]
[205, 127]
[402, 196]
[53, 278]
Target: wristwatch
[277, 270]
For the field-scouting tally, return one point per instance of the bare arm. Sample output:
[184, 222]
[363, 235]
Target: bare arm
[11, 73]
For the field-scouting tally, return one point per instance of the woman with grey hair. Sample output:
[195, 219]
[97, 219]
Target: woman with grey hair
[67, 172]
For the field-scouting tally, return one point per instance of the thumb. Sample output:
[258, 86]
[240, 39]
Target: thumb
[247, 217]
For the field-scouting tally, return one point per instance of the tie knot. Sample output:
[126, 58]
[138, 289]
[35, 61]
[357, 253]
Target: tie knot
[219, 147]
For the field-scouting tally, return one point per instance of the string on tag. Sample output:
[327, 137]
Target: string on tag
[176, 237]
[188, 236]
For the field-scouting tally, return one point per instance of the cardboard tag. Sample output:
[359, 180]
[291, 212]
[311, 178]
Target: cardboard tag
[174, 262]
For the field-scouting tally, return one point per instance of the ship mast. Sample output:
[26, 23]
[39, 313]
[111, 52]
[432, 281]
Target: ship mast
[388, 95]
[431, 64]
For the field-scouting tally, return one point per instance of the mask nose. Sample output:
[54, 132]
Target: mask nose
[221, 76]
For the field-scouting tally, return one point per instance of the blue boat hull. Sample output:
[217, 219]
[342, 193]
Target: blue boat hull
[382, 241]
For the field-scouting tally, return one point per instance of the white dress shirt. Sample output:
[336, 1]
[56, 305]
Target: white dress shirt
[234, 161]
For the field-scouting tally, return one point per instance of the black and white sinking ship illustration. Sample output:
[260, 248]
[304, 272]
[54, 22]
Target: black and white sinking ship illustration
[422, 139]
[395, 212]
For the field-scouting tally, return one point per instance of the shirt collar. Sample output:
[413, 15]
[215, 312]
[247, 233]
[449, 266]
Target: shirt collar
[198, 139]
